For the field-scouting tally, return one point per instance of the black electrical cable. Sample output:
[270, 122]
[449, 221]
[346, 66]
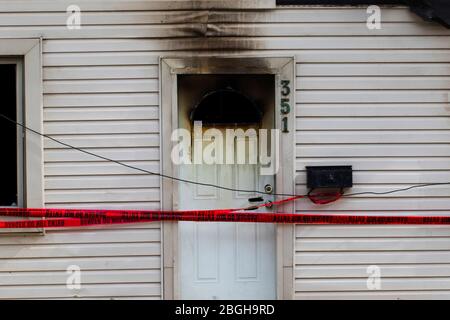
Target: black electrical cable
[137, 168]
[423, 185]
[209, 184]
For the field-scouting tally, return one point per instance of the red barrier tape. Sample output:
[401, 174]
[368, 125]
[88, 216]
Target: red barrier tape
[66, 218]
[62, 218]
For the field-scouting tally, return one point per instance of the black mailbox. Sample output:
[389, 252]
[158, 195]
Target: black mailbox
[329, 177]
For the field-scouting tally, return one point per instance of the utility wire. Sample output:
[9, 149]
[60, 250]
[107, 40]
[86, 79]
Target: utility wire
[137, 168]
[424, 185]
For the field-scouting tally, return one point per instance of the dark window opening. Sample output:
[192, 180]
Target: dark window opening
[226, 106]
[226, 100]
[8, 132]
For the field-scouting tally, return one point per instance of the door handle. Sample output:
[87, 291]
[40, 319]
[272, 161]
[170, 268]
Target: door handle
[268, 188]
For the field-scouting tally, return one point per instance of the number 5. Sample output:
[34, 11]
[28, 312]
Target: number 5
[285, 107]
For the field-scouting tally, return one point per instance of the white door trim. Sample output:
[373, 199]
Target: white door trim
[284, 69]
[30, 52]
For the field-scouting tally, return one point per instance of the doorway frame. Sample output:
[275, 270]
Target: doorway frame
[283, 68]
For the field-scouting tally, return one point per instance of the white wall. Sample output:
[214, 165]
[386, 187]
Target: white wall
[375, 99]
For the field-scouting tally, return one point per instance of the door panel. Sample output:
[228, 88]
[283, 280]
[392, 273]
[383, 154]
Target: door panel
[225, 260]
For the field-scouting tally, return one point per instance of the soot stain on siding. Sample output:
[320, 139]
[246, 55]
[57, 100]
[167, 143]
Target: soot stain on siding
[203, 34]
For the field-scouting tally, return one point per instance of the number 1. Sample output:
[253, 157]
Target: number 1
[284, 123]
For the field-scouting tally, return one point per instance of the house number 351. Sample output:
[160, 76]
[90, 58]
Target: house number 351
[285, 106]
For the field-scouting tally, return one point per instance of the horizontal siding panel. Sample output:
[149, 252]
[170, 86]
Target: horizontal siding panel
[361, 284]
[93, 196]
[417, 70]
[194, 26]
[130, 5]
[376, 150]
[373, 83]
[102, 113]
[322, 29]
[105, 141]
[101, 127]
[310, 14]
[95, 182]
[85, 263]
[113, 18]
[376, 295]
[100, 100]
[245, 43]
[118, 154]
[97, 168]
[303, 56]
[372, 244]
[87, 277]
[372, 110]
[131, 297]
[111, 205]
[155, 205]
[167, 17]
[381, 163]
[100, 86]
[147, 226]
[375, 136]
[109, 72]
[88, 290]
[373, 96]
[139, 226]
[366, 258]
[359, 55]
[367, 231]
[89, 236]
[79, 250]
[374, 123]
[428, 192]
[124, 31]
[360, 271]
[99, 59]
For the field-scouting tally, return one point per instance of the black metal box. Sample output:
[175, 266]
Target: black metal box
[329, 177]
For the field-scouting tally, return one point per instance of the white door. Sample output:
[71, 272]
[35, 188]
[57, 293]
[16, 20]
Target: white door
[225, 260]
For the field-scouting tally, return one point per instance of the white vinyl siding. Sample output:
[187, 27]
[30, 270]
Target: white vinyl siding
[374, 99]
[332, 262]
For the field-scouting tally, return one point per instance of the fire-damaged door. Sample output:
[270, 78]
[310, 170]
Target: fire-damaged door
[226, 123]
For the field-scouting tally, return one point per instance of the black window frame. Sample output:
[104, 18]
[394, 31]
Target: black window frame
[20, 136]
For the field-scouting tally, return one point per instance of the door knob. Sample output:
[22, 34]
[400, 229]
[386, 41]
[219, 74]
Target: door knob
[268, 188]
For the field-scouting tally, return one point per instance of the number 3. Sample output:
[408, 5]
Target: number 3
[286, 90]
